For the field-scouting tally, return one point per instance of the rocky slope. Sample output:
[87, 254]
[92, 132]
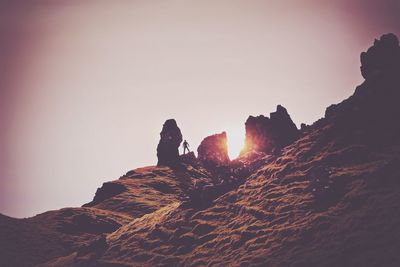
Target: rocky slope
[330, 197]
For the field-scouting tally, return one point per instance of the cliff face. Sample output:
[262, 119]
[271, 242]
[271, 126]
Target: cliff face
[326, 197]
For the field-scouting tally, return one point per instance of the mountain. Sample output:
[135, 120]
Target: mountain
[325, 195]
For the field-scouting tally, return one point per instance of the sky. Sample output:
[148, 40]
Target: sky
[85, 86]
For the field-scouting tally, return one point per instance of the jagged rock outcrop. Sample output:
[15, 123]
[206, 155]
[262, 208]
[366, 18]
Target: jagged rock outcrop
[168, 147]
[214, 149]
[382, 57]
[268, 135]
[370, 116]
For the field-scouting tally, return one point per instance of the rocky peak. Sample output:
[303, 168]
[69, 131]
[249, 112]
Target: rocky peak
[214, 149]
[370, 115]
[383, 56]
[168, 147]
[268, 134]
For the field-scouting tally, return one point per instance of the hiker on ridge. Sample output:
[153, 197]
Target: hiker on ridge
[185, 146]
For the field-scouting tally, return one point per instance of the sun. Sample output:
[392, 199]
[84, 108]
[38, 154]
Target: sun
[235, 141]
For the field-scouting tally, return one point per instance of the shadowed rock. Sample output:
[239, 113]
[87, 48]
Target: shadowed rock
[214, 150]
[189, 158]
[383, 56]
[107, 190]
[370, 115]
[268, 135]
[168, 147]
[85, 223]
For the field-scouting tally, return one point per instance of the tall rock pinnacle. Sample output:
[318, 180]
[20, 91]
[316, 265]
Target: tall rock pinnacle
[168, 147]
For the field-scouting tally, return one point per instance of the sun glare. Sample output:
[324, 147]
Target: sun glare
[235, 142]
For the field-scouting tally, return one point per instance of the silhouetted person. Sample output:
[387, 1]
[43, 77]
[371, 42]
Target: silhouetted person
[185, 146]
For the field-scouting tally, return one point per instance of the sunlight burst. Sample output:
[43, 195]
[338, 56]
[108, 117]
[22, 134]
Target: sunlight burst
[235, 141]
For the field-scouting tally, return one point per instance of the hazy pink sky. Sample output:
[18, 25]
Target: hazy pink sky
[85, 86]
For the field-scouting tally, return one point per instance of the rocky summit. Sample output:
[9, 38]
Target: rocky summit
[327, 195]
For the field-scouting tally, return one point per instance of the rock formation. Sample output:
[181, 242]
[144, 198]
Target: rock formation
[371, 114]
[168, 147]
[268, 135]
[214, 149]
[383, 56]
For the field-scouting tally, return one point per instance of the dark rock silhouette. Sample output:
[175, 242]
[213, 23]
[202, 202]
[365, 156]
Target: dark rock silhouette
[108, 190]
[168, 147]
[269, 135]
[382, 57]
[189, 158]
[214, 150]
[370, 115]
[304, 127]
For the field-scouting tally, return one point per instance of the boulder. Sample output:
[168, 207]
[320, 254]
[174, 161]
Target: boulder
[214, 149]
[168, 147]
[269, 134]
